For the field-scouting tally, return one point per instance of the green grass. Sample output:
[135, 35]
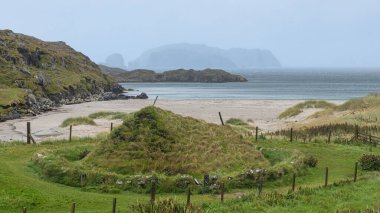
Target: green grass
[11, 95]
[78, 121]
[297, 109]
[109, 115]
[23, 186]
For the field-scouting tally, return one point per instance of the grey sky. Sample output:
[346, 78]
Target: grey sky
[301, 33]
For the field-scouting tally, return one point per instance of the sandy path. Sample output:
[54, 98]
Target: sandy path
[264, 113]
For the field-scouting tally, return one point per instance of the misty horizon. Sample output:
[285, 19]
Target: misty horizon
[339, 34]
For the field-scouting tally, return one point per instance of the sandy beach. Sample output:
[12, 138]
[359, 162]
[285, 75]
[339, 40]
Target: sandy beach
[46, 126]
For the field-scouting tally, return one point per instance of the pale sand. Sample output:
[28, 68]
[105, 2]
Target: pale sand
[264, 113]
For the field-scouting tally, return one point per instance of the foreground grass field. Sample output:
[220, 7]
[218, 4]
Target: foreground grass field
[21, 185]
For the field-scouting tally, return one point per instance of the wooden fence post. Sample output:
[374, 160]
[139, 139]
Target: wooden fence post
[114, 205]
[257, 133]
[153, 194]
[222, 192]
[291, 134]
[111, 126]
[329, 137]
[24, 210]
[327, 176]
[71, 132]
[221, 119]
[73, 208]
[294, 183]
[28, 133]
[155, 100]
[188, 196]
[356, 132]
[260, 186]
[356, 171]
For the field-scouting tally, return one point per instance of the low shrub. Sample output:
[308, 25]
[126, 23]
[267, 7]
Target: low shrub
[78, 121]
[370, 162]
[311, 161]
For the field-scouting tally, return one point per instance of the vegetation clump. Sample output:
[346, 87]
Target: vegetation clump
[78, 121]
[109, 115]
[370, 162]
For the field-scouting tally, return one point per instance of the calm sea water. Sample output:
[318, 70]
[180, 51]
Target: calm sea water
[274, 84]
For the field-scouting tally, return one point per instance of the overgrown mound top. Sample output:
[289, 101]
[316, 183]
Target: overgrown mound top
[155, 140]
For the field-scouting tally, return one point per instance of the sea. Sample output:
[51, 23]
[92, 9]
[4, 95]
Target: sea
[273, 84]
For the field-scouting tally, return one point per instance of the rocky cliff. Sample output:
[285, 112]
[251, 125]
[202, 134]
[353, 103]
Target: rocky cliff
[36, 76]
[180, 75]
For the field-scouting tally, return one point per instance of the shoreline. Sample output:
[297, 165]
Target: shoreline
[46, 126]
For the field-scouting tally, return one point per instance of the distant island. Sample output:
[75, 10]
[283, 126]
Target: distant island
[179, 75]
[199, 57]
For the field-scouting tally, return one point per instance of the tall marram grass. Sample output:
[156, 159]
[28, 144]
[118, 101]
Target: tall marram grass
[78, 121]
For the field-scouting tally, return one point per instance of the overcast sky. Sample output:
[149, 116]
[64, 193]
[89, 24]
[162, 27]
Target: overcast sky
[301, 33]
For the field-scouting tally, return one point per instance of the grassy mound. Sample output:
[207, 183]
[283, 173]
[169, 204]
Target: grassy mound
[155, 140]
[78, 121]
[297, 109]
[236, 122]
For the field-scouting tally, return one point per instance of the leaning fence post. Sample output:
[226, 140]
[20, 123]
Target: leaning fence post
[155, 100]
[356, 171]
[327, 176]
[114, 205]
[24, 210]
[291, 134]
[71, 132]
[28, 134]
[188, 196]
[73, 208]
[294, 183]
[222, 192]
[221, 119]
[257, 133]
[111, 126]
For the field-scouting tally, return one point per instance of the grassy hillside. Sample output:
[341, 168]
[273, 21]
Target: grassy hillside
[22, 186]
[51, 70]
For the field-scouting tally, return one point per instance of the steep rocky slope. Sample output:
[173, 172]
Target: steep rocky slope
[36, 76]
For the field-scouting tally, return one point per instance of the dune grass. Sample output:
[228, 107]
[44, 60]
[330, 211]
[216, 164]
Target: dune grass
[297, 109]
[236, 122]
[109, 115]
[78, 121]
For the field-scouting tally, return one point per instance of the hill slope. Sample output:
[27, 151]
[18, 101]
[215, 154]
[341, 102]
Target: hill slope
[37, 75]
[180, 75]
[195, 56]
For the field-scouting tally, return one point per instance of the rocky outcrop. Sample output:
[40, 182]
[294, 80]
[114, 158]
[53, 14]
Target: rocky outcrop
[180, 75]
[37, 76]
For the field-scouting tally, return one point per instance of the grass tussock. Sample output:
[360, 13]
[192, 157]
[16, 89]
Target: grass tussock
[109, 115]
[297, 109]
[78, 121]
